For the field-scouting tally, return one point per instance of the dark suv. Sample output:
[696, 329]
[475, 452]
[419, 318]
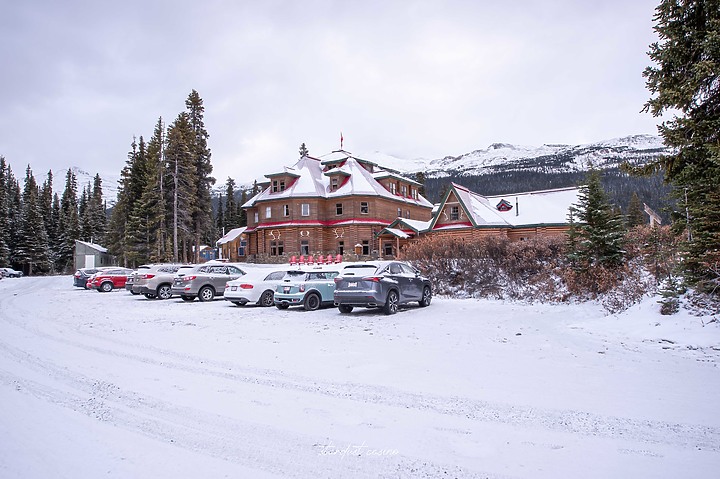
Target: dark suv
[380, 284]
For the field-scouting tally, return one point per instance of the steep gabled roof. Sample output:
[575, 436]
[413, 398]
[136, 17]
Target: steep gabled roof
[231, 235]
[534, 208]
[313, 182]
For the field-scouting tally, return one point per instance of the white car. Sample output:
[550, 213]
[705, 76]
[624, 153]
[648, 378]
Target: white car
[255, 287]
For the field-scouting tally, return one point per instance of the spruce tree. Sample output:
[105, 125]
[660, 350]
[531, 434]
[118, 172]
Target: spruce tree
[231, 220]
[183, 189]
[202, 211]
[635, 212]
[242, 214]
[32, 248]
[68, 224]
[154, 199]
[685, 82]
[420, 178]
[598, 231]
[14, 212]
[303, 150]
[4, 231]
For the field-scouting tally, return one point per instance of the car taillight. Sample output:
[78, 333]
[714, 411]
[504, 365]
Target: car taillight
[374, 279]
[338, 279]
[188, 278]
[147, 276]
[247, 286]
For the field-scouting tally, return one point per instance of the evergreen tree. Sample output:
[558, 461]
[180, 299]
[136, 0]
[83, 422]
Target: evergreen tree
[68, 224]
[685, 81]
[32, 249]
[96, 216]
[180, 158]
[14, 212]
[635, 212]
[4, 229]
[202, 211]
[242, 214]
[154, 199]
[599, 232]
[303, 150]
[231, 220]
[83, 214]
[420, 178]
[220, 217]
[54, 237]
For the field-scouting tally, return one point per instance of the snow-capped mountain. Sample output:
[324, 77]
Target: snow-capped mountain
[636, 149]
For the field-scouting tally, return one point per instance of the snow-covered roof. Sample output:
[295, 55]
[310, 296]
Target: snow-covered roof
[546, 207]
[93, 246]
[231, 235]
[397, 232]
[312, 182]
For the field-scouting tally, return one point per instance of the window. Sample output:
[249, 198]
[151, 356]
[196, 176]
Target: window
[393, 188]
[257, 217]
[333, 184]
[414, 193]
[286, 210]
[403, 189]
[399, 213]
[407, 213]
[268, 212]
[305, 209]
[282, 185]
[454, 213]
[241, 248]
[365, 247]
[388, 248]
[341, 247]
[304, 247]
[275, 276]
[338, 209]
[364, 208]
[276, 248]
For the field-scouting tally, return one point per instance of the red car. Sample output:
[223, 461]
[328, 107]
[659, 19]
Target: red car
[109, 279]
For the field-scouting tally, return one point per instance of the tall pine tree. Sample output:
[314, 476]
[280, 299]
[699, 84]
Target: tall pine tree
[685, 81]
[68, 224]
[32, 248]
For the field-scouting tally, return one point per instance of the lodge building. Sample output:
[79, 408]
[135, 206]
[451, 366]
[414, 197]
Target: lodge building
[335, 204]
[339, 204]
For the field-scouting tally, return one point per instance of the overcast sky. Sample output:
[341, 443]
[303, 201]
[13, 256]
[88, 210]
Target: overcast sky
[407, 78]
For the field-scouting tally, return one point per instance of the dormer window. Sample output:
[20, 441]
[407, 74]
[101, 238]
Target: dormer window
[278, 185]
[414, 193]
[504, 205]
[333, 183]
[454, 213]
[393, 188]
[403, 190]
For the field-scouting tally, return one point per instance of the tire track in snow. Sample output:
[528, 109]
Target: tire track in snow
[687, 436]
[270, 449]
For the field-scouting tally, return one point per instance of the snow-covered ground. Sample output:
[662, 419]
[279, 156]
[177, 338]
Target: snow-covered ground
[115, 385]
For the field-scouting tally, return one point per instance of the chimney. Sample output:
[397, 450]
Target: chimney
[517, 207]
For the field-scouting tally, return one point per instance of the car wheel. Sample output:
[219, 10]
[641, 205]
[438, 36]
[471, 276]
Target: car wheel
[426, 297]
[391, 304]
[344, 308]
[312, 302]
[134, 292]
[282, 305]
[149, 296]
[267, 299]
[106, 287]
[187, 298]
[206, 293]
[164, 291]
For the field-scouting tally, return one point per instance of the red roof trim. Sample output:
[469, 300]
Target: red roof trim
[446, 225]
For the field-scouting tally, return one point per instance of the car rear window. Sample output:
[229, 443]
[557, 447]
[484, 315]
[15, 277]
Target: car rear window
[359, 270]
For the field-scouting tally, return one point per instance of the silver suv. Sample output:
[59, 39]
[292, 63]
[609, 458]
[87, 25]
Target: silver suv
[205, 281]
[156, 282]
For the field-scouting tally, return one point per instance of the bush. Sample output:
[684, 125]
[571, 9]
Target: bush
[538, 269]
